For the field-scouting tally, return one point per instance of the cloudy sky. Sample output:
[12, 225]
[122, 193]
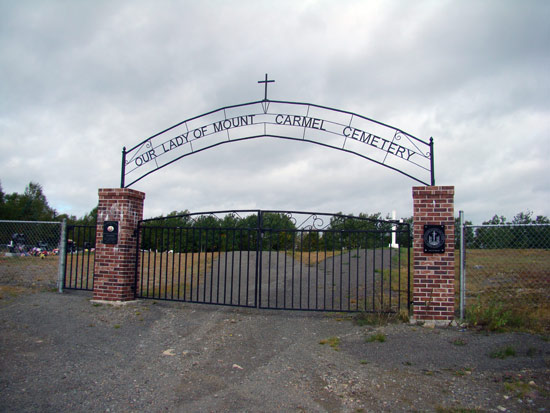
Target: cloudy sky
[81, 79]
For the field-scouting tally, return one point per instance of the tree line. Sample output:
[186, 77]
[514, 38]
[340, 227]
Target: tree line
[523, 231]
[181, 231]
[32, 205]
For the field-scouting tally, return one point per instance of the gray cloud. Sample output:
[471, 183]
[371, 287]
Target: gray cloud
[81, 80]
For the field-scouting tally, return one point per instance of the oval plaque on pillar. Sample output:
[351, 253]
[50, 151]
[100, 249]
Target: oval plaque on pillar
[434, 238]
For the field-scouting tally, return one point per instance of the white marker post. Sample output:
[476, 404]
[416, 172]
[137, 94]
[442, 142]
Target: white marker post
[393, 244]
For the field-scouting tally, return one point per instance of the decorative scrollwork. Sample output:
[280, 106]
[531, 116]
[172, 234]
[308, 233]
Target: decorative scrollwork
[290, 217]
[317, 223]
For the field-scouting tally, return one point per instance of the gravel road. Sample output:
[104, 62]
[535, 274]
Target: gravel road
[62, 353]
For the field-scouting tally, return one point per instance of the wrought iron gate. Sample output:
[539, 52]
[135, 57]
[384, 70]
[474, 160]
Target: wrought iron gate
[275, 260]
[79, 257]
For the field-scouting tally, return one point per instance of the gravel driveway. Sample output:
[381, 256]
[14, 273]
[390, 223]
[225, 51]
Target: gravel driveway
[61, 353]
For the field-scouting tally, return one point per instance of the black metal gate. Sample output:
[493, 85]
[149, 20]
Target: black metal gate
[276, 260]
[79, 257]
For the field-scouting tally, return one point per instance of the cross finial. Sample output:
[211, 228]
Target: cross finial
[266, 82]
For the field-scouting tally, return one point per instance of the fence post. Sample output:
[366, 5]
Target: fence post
[62, 256]
[462, 266]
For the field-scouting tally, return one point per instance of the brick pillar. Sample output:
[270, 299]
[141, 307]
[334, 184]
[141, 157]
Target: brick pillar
[434, 273]
[114, 270]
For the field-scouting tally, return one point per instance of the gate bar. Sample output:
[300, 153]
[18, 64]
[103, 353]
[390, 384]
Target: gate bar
[62, 258]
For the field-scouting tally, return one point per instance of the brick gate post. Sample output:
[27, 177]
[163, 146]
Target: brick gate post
[434, 272]
[115, 254]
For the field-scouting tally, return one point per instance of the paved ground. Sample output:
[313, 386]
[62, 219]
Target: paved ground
[61, 353]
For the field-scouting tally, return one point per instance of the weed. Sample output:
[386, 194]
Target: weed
[376, 337]
[503, 353]
[116, 326]
[333, 342]
[459, 342]
[520, 389]
[404, 316]
[363, 362]
[376, 319]
[493, 316]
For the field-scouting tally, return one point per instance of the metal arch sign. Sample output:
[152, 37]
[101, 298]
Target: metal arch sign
[329, 127]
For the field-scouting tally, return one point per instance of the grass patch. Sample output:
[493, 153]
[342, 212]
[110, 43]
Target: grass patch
[379, 337]
[503, 353]
[516, 278]
[333, 342]
[11, 291]
[396, 277]
[519, 389]
[311, 258]
[380, 319]
[494, 316]
[174, 275]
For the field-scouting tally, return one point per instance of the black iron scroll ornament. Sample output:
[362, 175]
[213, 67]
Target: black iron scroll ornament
[329, 127]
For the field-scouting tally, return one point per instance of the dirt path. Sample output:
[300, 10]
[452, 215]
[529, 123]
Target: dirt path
[61, 353]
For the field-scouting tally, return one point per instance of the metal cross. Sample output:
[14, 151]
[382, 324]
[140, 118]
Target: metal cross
[266, 82]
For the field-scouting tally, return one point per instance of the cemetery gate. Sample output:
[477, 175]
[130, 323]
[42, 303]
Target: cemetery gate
[280, 259]
[275, 260]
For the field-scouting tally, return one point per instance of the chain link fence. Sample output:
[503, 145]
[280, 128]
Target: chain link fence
[506, 267]
[30, 253]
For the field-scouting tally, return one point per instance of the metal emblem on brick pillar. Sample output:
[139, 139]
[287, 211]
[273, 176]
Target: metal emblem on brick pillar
[434, 238]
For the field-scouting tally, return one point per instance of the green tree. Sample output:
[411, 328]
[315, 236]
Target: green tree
[518, 233]
[32, 205]
[89, 219]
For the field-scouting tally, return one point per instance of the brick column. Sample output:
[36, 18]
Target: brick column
[114, 270]
[434, 273]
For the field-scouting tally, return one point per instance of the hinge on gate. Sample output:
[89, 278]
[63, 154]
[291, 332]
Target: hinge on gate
[136, 232]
